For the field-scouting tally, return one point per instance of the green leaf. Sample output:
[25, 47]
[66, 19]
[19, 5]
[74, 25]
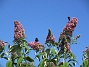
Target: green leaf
[53, 51]
[54, 61]
[15, 48]
[73, 56]
[29, 59]
[66, 64]
[85, 63]
[81, 66]
[1, 49]
[41, 64]
[9, 46]
[39, 55]
[5, 58]
[70, 65]
[47, 51]
[72, 60]
[58, 66]
[19, 61]
[9, 64]
[24, 40]
[74, 63]
[1, 56]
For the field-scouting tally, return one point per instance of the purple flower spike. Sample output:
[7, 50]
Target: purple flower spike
[18, 31]
[2, 43]
[70, 26]
[35, 45]
[50, 37]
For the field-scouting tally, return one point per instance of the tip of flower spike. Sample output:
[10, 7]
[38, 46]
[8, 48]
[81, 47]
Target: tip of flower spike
[16, 22]
[74, 20]
[18, 30]
[49, 32]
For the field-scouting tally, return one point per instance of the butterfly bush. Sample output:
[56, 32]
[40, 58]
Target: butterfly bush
[70, 26]
[53, 54]
[64, 39]
[35, 45]
[18, 31]
[67, 47]
[86, 53]
[2, 43]
[85, 58]
[50, 37]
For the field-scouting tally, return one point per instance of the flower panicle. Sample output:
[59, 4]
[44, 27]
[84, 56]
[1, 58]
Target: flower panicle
[50, 37]
[18, 31]
[36, 45]
[66, 34]
[2, 43]
[70, 26]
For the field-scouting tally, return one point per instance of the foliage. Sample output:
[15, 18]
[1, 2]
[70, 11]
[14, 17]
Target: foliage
[52, 54]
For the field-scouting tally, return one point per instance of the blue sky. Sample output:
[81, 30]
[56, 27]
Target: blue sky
[37, 16]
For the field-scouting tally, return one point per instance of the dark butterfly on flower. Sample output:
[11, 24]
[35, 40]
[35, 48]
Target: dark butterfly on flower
[69, 18]
[36, 40]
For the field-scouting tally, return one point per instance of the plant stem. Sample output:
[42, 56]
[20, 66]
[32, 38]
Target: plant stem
[12, 61]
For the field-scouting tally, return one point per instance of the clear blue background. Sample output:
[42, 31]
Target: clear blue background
[37, 16]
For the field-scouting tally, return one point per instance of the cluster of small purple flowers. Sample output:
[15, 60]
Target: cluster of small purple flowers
[18, 31]
[86, 53]
[35, 45]
[50, 38]
[69, 28]
[2, 43]
[86, 50]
